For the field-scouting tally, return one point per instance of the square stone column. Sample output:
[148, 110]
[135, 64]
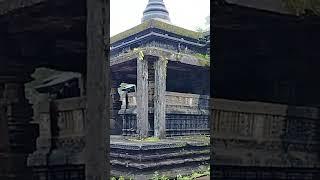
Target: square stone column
[98, 91]
[160, 67]
[142, 97]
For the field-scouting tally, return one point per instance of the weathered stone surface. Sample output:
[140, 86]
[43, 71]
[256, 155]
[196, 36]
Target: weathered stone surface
[98, 91]
[185, 114]
[142, 97]
[158, 52]
[168, 156]
[265, 135]
[159, 97]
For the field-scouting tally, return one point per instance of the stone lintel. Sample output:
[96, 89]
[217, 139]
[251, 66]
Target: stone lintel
[158, 52]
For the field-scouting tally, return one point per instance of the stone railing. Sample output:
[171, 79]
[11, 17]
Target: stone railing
[186, 114]
[62, 128]
[178, 102]
[70, 116]
[263, 132]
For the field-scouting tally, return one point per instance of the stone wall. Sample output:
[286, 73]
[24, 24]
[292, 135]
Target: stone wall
[264, 134]
[186, 114]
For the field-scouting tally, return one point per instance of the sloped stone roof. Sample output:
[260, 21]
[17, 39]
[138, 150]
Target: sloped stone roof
[155, 23]
[58, 79]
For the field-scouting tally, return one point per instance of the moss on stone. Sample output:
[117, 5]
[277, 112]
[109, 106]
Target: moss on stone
[149, 139]
[199, 138]
[156, 24]
[176, 29]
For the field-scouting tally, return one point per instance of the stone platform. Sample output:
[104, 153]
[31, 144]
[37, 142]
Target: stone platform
[169, 157]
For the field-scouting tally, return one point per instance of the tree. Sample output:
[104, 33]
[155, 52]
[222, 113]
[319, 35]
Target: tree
[206, 26]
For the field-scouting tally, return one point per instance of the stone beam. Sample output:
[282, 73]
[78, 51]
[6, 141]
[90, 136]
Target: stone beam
[98, 92]
[157, 52]
[160, 67]
[142, 97]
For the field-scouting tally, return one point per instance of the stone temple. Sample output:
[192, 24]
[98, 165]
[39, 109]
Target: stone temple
[264, 111]
[160, 103]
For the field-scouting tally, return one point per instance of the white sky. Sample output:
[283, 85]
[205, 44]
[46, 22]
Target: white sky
[189, 14]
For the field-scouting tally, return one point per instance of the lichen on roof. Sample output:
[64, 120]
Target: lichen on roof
[156, 24]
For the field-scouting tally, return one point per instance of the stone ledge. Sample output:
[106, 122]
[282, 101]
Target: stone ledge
[158, 164]
[142, 157]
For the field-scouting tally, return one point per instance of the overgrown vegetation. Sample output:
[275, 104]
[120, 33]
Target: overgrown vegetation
[194, 175]
[204, 59]
[121, 178]
[202, 56]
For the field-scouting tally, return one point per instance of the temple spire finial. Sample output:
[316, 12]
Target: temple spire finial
[156, 9]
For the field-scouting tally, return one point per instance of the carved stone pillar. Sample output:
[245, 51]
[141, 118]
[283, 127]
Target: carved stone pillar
[160, 67]
[16, 114]
[44, 141]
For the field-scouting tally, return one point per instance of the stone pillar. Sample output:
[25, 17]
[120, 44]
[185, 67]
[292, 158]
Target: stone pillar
[160, 67]
[98, 91]
[142, 97]
[44, 141]
[116, 124]
[18, 138]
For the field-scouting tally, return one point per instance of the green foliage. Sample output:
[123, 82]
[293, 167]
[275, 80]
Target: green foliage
[178, 56]
[140, 53]
[204, 59]
[203, 56]
[156, 176]
[141, 56]
[121, 178]
[194, 175]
